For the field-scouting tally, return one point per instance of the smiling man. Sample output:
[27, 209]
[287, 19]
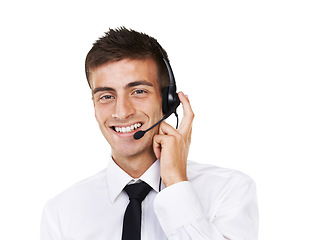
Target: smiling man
[125, 96]
[149, 190]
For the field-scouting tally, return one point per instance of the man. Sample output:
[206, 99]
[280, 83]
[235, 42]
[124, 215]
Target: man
[185, 200]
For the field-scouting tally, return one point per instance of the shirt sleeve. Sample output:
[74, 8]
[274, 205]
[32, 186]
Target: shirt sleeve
[49, 229]
[182, 216]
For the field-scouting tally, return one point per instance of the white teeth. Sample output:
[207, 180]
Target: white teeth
[128, 129]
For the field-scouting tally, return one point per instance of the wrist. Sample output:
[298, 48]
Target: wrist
[173, 180]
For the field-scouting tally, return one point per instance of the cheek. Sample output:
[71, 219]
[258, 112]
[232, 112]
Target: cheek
[156, 114]
[151, 108]
[101, 114]
[156, 108]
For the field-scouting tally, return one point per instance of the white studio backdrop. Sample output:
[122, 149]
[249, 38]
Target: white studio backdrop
[252, 70]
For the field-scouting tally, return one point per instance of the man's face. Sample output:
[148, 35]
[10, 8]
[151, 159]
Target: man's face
[126, 99]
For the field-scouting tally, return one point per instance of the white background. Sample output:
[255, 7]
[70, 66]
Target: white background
[252, 70]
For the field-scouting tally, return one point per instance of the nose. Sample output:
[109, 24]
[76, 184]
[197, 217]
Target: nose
[123, 108]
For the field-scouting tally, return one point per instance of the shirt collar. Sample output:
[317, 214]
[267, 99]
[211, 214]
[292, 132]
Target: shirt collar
[117, 178]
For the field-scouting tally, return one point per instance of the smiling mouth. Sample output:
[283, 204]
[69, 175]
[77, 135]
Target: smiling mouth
[127, 129]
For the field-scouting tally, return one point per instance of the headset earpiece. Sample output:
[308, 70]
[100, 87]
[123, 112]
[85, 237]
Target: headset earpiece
[170, 99]
[165, 100]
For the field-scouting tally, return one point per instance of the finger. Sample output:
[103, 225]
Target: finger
[160, 141]
[188, 115]
[157, 146]
[166, 129]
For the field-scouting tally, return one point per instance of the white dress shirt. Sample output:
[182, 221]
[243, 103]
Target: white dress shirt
[214, 203]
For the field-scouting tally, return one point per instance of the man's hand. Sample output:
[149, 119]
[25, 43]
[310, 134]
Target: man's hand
[171, 146]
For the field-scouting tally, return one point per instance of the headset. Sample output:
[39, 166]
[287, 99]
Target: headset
[170, 98]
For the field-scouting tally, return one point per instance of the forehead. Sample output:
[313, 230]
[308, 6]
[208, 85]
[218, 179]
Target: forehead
[120, 73]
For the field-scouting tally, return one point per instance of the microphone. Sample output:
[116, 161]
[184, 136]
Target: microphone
[141, 133]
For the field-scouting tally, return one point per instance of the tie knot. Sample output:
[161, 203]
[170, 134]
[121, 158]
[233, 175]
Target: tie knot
[137, 191]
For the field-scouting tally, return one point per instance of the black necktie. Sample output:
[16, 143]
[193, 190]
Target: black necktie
[132, 217]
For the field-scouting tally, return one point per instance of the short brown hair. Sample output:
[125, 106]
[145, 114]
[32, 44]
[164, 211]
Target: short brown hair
[121, 43]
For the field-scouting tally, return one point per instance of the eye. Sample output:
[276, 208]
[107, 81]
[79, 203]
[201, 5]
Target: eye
[139, 91]
[106, 97]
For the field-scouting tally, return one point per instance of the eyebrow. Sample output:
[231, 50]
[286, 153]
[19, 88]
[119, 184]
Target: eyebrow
[138, 83]
[129, 85]
[102, 89]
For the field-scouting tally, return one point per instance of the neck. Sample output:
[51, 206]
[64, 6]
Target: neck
[135, 166]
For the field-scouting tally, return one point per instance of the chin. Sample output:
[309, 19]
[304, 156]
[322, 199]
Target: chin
[133, 148]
